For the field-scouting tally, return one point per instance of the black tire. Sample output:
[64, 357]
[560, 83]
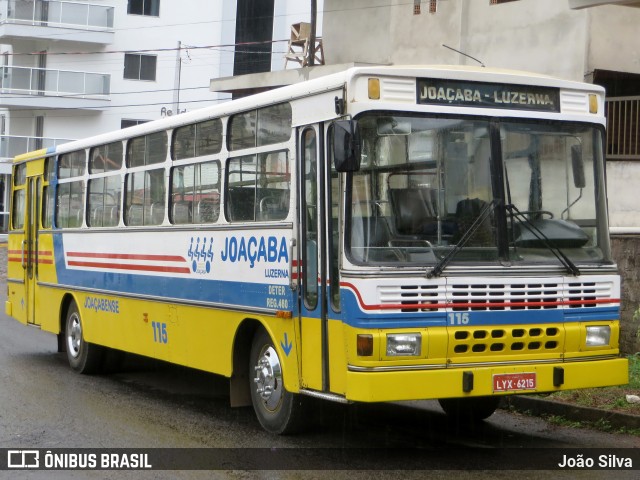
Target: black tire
[83, 357]
[278, 410]
[471, 409]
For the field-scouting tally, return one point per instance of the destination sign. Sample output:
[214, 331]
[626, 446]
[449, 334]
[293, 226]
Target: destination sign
[433, 91]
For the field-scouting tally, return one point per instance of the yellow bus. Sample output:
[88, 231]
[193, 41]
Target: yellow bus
[375, 235]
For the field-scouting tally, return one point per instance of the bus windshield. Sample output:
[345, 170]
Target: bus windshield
[427, 185]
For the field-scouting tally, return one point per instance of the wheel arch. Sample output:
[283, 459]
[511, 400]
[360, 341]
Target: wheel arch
[240, 382]
[67, 300]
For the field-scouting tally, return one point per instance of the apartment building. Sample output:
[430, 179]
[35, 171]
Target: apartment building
[76, 68]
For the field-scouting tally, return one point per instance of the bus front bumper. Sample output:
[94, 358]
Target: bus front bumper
[388, 386]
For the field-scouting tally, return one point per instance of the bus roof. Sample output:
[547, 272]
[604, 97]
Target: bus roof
[318, 85]
[34, 154]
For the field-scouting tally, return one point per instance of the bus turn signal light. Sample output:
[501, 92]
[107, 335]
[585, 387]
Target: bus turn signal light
[374, 89]
[593, 103]
[365, 345]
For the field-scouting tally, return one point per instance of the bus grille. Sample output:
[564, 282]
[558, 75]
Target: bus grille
[506, 340]
[461, 297]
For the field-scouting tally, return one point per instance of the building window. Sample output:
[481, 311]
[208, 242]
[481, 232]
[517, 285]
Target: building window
[126, 123]
[144, 7]
[254, 31]
[496, 2]
[433, 6]
[139, 67]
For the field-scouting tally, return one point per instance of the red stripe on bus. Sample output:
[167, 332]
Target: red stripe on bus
[127, 256]
[438, 306]
[46, 261]
[126, 266]
[40, 252]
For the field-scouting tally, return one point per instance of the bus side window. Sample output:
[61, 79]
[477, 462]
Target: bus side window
[70, 204]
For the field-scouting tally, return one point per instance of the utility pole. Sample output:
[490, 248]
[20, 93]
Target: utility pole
[176, 82]
[311, 54]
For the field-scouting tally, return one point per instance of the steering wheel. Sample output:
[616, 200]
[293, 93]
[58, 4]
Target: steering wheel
[533, 212]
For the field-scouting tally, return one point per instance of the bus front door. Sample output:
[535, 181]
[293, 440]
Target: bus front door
[313, 322]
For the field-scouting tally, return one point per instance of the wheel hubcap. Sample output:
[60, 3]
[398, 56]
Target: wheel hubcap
[268, 378]
[74, 335]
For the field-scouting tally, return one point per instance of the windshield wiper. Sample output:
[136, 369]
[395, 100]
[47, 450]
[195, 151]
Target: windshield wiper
[444, 261]
[559, 254]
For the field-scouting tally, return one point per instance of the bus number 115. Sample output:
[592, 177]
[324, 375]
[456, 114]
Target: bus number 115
[160, 332]
[458, 318]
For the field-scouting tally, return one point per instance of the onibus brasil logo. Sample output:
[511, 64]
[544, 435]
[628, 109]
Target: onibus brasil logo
[201, 254]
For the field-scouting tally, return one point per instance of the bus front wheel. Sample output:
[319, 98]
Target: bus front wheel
[84, 357]
[278, 410]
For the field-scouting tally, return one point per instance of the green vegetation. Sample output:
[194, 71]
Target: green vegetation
[601, 425]
[612, 399]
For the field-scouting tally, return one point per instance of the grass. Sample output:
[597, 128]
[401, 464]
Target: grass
[607, 398]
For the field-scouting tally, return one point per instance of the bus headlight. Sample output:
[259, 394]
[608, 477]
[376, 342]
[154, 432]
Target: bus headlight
[403, 344]
[598, 336]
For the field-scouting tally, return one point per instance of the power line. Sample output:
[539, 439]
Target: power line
[24, 109]
[149, 50]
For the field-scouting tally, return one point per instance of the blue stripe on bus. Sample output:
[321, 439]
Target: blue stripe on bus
[240, 294]
[51, 150]
[249, 294]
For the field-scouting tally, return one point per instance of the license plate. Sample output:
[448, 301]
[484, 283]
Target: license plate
[510, 382]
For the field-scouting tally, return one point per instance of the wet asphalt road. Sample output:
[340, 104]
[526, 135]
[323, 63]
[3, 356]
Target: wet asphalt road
[147, 404]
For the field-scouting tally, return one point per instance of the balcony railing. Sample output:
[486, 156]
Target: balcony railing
[11, 145]
[41, 81]
[57, 14]
[623, 128]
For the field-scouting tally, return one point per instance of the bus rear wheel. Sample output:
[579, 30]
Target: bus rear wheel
[278, 410]
[469, 410]
[83, 357]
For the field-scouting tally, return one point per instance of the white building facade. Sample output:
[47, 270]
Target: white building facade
[76, 68]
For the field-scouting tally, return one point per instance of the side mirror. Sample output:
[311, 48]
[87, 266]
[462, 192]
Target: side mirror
[346, 146]
[577, 166]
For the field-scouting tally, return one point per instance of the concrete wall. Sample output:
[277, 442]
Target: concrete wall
[543, 36]
[624, 208]
[614, 43]
[626, 252]
[357, 31]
